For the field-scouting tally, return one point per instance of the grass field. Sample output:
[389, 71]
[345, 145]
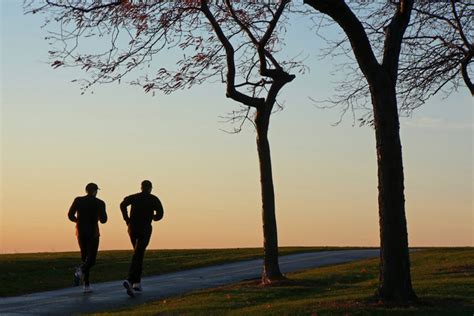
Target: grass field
[442, 278]
[28, 273]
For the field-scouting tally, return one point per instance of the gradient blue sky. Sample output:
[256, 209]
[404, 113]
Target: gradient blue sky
[54, 141]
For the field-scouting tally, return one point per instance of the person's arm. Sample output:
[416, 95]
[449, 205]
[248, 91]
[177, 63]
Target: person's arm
[159, 211]
[103, 214]
[72, 211]
[123, 207]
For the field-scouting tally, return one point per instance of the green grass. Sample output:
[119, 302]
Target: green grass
[28, 273]
[443, 280]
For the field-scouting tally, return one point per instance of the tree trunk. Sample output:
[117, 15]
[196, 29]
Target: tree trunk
[394, 279]
[271, 268]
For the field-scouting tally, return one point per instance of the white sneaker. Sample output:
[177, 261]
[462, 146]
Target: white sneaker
[78, 276]
[87, 289]
[137, 287]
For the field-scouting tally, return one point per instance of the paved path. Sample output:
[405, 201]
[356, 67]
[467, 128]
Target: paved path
[111, 295]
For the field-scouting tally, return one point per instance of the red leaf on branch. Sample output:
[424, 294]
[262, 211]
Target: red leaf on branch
[56, 64]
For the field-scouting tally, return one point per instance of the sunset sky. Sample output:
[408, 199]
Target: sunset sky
[55, 140]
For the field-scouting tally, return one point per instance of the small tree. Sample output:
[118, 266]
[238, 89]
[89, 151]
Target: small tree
[231, 41]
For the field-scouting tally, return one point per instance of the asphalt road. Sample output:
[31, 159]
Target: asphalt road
[112, 295]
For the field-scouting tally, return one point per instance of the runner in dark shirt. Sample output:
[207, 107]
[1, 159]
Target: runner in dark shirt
[86, 212]
[145, 207]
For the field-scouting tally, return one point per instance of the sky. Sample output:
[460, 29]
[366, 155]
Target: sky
[55, 140]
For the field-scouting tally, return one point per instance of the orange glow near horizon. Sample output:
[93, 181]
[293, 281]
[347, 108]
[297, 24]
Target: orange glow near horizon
[55, 140]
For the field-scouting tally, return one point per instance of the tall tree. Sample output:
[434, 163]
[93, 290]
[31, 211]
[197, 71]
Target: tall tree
[235, 42]
[381, 77]
[406, 53]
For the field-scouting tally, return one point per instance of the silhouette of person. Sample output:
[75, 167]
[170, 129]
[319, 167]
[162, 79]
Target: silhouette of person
[145, 207]
[86, 211]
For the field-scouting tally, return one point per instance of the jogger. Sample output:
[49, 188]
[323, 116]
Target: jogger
[86, 211]
[145, 207]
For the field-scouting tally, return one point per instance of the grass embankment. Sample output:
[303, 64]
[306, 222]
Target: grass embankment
[442, 278]
[28, 273]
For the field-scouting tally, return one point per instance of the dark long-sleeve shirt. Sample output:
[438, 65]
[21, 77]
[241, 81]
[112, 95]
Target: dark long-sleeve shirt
[86, 212]
[143, 208]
